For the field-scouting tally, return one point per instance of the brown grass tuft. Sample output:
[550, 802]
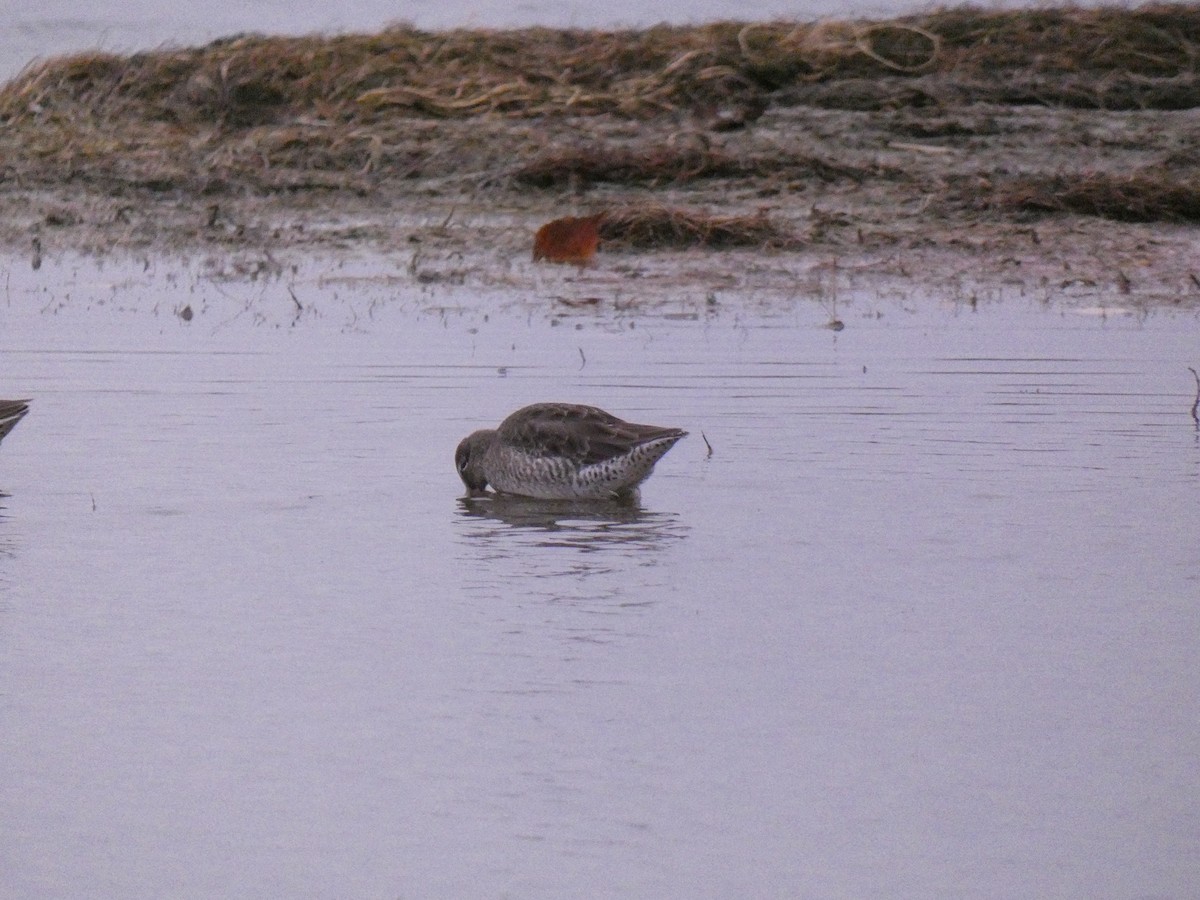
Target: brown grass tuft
[653, 227]
[665, 163]
[625, 165]
[246, 81]
[1145, 196]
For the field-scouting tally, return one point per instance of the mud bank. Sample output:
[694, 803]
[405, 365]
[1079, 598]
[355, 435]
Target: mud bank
[963, 149]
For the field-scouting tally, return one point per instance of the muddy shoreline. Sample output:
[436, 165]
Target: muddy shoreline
[944, 176]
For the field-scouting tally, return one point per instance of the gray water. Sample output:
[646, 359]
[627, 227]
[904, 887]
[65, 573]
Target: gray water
[924, 624]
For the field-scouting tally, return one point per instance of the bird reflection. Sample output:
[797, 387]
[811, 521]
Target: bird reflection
[550, 577]
[7, 549]
[583, 524]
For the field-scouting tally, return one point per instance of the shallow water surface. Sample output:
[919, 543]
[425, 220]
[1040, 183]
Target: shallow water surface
[923, 623]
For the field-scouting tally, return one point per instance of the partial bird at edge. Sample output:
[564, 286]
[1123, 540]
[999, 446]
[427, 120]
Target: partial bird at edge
[11, 412]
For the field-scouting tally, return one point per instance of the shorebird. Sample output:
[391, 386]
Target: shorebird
[561, 451]
[11, 412]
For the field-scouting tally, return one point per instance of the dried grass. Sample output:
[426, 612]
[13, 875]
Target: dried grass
[1112, 91]
[247, 81]
[1145, 196]
[343, 113]
[665, 163]
[653, 227]
[626, 165]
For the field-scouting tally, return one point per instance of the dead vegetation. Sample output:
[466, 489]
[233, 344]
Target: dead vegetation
[1083, 90]
[594, 163]
[1146, 196]
[661, 227]
[246, 81]
[405, 114]
[666, 164]
[651, 226]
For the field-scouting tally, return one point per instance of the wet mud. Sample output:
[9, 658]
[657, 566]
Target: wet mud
[963, 149]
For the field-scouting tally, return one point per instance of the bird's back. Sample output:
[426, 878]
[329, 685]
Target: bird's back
[581, 435]
[564, 450]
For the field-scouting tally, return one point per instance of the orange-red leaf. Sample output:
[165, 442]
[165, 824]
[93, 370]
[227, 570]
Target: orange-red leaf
[570, 239]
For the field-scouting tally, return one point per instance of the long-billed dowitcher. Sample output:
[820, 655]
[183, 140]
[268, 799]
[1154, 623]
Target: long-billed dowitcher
[11, 412]
[561, 451]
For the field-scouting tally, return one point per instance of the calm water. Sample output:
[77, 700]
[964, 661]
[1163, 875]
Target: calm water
[923, 625]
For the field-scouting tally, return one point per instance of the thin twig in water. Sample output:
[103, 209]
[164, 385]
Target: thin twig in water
[1196, 402]
[582, 358]
[708, 445]
[295, 299]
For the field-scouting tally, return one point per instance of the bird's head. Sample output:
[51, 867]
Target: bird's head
[468, 459]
